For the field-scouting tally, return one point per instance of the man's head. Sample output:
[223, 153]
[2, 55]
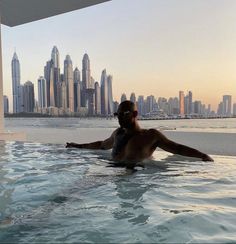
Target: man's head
[127, 114]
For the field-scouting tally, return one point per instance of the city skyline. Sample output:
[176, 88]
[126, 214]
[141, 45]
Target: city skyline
[166, 46]
[61, 93]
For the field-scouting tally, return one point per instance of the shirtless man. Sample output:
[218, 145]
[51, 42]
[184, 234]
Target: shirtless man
[132, 143]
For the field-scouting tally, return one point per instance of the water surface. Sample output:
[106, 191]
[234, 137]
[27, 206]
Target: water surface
[52, 194]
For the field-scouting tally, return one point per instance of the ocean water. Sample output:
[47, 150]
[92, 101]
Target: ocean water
[52, 194]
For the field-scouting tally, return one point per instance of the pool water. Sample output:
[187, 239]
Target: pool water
[52, 194]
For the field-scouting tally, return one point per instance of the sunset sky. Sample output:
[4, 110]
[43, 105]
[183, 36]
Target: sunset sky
[151, 47]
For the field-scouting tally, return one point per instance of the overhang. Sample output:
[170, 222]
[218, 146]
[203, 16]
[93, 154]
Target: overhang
[17, 12]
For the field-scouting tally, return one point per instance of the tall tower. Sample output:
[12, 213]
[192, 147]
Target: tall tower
[55, 57]
[123, 98]
[104, 93]
[97, 99]
[6, 104]
[141, 105]
[15, 69]
[190, 102]
[227, 105]
[86, 79]
[181, 102]
[47, 78]
[77, 98]
[69, 80]
[28, 91]
[51, 85]
[133, 98]
[42, 92]
[110, 96]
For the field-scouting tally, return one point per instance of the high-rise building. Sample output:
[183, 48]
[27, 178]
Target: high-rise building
[234, 109]
[6, 104]
[133, 98]
[69, 80]
[77, 98]
[220, 109]
[55, 57]
[123, 98]
[42, 92]
[55, 62]
[90, 93]
[91, 101]
[190, 102]
[110, 95]
[227, 105]
[15, 69]
[197, 107]
[21, 98]
[181, 103]
[49, 75]
[141, 105]
[86, 79]
[150, 101]
[47, 68]
[97, 99]
[64, 96]
[115, 106]
[104, 93]
[29, 100]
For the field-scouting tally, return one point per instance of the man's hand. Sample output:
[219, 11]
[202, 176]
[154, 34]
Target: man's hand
[206, 157]
[72, 144]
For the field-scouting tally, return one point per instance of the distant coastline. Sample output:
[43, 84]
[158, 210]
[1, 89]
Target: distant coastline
[39, 115]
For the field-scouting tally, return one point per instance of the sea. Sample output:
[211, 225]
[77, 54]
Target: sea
[51, 194]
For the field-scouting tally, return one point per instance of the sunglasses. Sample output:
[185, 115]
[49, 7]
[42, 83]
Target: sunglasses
[121, 114]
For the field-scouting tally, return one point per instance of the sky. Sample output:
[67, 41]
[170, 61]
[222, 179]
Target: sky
[151, 47]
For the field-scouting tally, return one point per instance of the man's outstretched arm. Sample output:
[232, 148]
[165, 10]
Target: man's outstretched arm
[170, 146]
[102, 145]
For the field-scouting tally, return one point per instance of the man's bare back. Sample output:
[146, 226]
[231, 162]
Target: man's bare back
[132, 143]
[137, 146]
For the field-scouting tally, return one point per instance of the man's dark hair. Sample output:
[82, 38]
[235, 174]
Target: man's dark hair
[130, 104]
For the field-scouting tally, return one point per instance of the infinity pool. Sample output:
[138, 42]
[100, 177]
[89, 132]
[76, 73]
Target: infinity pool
[52, 194]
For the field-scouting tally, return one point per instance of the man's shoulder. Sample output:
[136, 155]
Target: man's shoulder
[153, 131]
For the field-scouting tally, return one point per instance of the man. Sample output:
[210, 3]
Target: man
[131, 143]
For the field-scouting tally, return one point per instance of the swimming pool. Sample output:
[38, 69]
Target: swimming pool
[52, 194]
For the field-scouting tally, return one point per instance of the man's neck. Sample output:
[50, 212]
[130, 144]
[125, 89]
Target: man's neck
[133, 128]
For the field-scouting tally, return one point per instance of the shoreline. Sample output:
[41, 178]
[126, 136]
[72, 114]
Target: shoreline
[35, 115]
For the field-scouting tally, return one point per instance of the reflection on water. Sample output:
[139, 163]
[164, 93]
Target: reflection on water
[52, 194]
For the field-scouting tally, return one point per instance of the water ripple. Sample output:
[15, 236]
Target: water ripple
[51, 194]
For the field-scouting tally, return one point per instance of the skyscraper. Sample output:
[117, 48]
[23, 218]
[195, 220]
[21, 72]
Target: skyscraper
[181, 102]
[28, 91]
[110, 96]
[77, 98]
[55, 57]
[6, 104]
[42, 92]
[69, 80]
[141, 105]
[50, 83]
[123, 98]
[104, 93]
[55, 62]
[97, 99]
[47, 78]
[190, 102]
[227, 105]
[15, 68]
[86, 79]
[133, 97]
[234, 109]
[150, 101]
